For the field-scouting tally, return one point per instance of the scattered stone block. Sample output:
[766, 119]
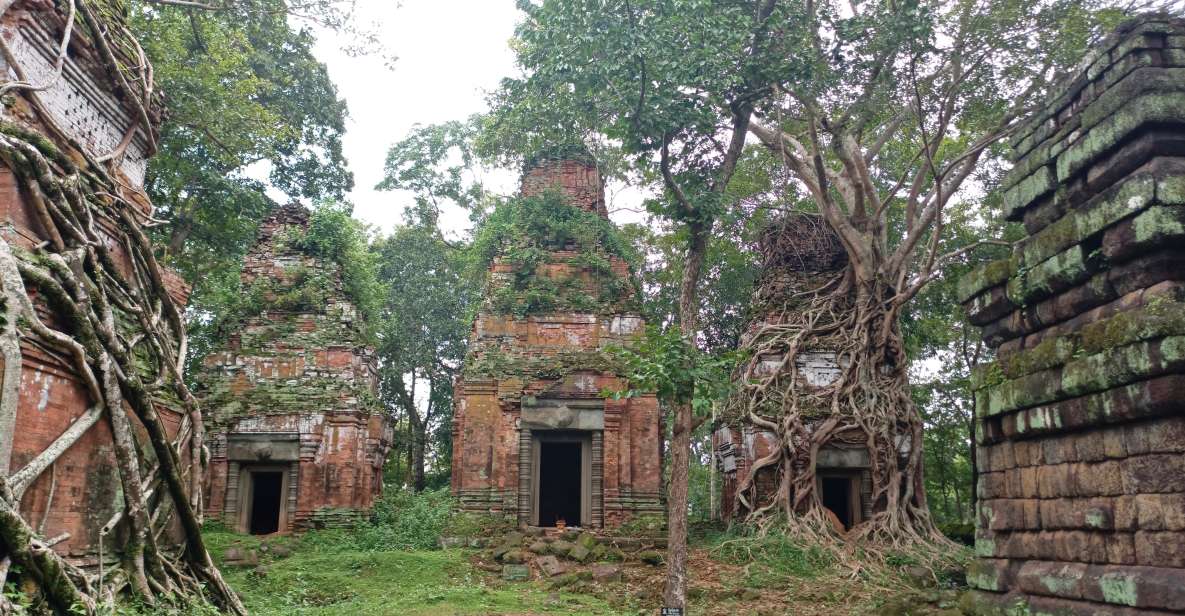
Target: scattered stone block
[515, 557]
[580, 554]
[516, 573]
[606, 572]
[559, 547]
[550, 566]
[651, 557]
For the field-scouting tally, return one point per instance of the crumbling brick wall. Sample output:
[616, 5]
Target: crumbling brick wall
[79, 494]
[517, 365]
[1079, 425]
[293, 387]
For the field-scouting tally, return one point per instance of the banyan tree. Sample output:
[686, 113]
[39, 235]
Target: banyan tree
[100, 440]
[821, 427]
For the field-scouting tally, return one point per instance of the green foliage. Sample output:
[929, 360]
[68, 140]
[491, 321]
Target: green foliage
[422, 338]
[525, 231]
[245, 96]
[405, 520]
[663, 362]
[772, 557]
[645, 525]
[436, 163]
[324, 575]
[333, 235]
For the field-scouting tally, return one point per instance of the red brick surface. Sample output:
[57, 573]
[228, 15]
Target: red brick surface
[486, 426]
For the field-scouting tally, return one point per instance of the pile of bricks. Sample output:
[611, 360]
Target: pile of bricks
[1078, 421]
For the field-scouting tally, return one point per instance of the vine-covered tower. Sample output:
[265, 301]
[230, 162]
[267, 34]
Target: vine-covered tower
[785, 440]
[535, 435]
[297, 437]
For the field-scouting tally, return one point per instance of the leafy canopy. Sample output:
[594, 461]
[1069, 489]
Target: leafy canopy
[664, 363]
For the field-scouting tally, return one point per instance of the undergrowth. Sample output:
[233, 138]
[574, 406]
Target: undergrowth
[769, 558]
[391, 564]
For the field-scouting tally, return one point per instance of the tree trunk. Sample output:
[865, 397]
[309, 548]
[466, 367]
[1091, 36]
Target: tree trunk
[417, 445]
[675, 594]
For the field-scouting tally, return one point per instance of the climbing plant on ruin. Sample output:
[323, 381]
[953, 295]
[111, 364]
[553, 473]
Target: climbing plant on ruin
[900, 107]
[97, 298]
[243, 87]
[524, 232]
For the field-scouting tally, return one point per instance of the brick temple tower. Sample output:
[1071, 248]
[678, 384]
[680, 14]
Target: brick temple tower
[800, 254]
[71, 493]
[534, 435]
[1080, 420]
[297, 437]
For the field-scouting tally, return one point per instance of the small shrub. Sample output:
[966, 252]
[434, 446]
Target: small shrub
[404, 520]
[648, 525]
[469, 524]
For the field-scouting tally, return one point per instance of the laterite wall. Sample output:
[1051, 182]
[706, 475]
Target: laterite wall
[1079, 420]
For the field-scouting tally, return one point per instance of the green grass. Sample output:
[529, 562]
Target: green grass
[325, 575]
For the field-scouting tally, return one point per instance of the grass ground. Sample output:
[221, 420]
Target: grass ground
[322, 574]
[310, 577]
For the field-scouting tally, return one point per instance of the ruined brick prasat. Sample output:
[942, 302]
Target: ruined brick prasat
[535, 437]
[1079, 425]
[72, 494]
[290, 395]
[800, 254]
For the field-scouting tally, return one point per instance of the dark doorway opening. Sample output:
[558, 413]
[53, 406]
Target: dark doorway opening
[559, 483]
[836, 493]
[264, 518]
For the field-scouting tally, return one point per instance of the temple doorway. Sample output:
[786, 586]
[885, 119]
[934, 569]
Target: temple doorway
[560, 478]
[840, 494]
[263, 499]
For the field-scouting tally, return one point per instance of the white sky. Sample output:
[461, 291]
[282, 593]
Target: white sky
[449, 53]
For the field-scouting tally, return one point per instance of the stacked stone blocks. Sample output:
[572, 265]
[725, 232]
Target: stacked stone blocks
[1080, 435]
[516, 360]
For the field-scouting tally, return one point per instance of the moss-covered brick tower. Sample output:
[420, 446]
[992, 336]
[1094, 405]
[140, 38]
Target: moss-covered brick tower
[535, 438]
[1080, 421]
[296, 435]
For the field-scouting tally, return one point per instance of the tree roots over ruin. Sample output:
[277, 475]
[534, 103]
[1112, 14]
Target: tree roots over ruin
[104, 310]
[817, 307]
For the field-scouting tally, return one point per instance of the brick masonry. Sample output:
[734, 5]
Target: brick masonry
[1079, 425]
[800, 254]
[293, 389]
[500, 413]
[52, 396]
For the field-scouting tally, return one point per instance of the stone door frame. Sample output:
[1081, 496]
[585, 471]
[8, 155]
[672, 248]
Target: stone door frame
[247, 492]
[591, 473]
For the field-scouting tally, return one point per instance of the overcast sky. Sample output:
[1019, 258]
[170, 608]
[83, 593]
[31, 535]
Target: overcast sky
[449, 52]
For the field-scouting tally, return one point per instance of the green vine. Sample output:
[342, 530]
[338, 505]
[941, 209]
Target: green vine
[527, 232]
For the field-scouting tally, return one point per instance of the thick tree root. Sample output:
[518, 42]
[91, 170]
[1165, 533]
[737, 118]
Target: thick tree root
[868, 404]
[117, 328]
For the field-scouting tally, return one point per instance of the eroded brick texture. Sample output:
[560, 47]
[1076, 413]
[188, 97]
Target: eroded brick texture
[293, 391]
[800, 254]
[1079, 425]
[532, 377]
[80, 492]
